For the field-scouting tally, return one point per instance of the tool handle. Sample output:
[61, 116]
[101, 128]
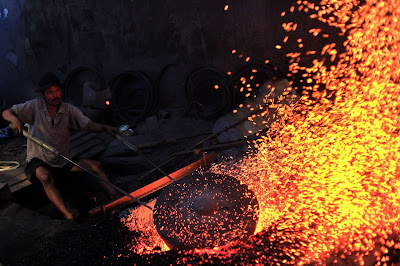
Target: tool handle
[40, 143]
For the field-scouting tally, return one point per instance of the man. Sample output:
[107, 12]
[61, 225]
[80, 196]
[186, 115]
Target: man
[51, 120]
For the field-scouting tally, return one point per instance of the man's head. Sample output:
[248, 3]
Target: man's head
[50, 88]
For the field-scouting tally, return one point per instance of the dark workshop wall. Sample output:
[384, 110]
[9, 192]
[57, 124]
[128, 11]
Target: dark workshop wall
[115, 36]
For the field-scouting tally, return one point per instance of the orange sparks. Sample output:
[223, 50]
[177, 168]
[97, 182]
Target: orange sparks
[226, 7]
[285, 39]
[327, 172]
[334, 174]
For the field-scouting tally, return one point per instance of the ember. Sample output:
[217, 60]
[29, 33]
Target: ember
[327, 174]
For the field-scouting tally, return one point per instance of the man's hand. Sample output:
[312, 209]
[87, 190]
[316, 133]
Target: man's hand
[110, 129]
[15, 124]
[17, 127]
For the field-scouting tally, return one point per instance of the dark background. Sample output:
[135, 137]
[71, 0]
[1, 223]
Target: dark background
[117, 36]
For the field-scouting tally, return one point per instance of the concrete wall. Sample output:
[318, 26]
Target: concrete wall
[60, 35]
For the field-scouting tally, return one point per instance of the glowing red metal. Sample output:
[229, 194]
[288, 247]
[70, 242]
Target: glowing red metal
[156, 185]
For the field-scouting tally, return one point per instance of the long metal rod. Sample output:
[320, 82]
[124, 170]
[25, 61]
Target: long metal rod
[53, 150]
[203, 140]
[135, 149]
[157, 185]
[155, 169]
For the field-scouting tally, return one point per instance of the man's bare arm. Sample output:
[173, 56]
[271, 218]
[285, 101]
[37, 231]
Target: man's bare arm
[12, 117]
[96, 127]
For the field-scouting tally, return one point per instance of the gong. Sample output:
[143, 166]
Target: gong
[205, 210]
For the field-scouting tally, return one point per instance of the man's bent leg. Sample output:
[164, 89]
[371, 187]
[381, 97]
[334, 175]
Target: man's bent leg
[45, 176]
[96, 168]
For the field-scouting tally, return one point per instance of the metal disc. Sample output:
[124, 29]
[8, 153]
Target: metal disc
[205, 210]
[76, 81]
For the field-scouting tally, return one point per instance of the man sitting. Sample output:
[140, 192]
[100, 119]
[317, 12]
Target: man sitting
[51, 121]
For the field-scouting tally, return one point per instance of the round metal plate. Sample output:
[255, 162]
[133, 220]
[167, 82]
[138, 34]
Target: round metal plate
[205, 210]
[75, 81]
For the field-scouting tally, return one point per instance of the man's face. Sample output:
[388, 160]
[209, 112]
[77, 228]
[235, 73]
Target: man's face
[52, 95]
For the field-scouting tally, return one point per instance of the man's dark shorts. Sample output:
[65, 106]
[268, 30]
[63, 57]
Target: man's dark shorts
[71, 186]
[57, 172]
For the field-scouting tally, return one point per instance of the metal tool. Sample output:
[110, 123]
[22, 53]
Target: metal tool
[135, 149]
[208, 209]
[157, 185]
[204, 140]
[54, 151]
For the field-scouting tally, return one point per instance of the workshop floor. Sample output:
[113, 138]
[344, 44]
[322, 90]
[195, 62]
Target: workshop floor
[32, 232]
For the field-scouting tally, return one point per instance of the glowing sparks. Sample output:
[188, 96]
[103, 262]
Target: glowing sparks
[285, 39]
[327, 175]
[333, 175]
[140, 220]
